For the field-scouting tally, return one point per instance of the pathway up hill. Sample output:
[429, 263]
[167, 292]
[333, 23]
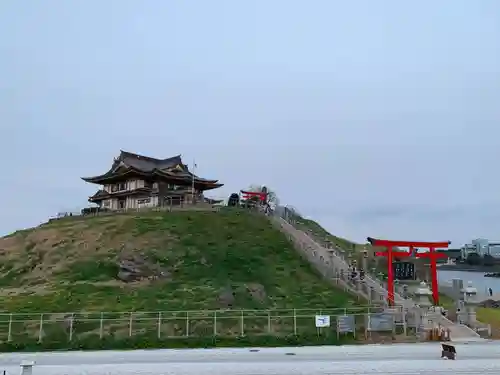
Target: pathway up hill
[160, 261]
[355, 251]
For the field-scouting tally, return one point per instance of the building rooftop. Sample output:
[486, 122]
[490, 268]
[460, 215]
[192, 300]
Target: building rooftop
[131, 163]
[147, 163]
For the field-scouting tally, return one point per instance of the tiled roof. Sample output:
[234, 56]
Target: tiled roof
[129, 163]
[147, 164]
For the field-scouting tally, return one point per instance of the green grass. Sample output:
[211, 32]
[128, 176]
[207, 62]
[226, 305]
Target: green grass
[489, 315]
[322, 235]
[149, 341]
[204, 252]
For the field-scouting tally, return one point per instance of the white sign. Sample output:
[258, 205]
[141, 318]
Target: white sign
[322, 321]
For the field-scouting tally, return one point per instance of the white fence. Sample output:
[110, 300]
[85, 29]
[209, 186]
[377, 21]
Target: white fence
[17, 327]
[172, 204]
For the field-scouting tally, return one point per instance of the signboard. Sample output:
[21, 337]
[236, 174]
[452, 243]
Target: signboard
[346, 324]
[380, 322]
[322, 321]
[403, 270]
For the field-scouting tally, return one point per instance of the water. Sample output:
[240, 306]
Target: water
[401, 359]
[478, 280]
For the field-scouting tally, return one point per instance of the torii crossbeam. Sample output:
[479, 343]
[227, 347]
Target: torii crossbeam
[431, 254]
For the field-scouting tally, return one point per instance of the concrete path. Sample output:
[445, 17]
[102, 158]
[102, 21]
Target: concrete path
[407, 359]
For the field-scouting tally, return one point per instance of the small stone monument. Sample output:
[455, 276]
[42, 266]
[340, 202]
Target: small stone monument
[27, 367]
[471, 302]
[405, 291]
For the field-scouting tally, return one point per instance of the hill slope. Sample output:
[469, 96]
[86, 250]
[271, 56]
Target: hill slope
[187, 260]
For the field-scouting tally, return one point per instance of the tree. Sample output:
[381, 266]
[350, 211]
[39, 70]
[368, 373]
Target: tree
[488, 260]
[272, 197]
[473, 259]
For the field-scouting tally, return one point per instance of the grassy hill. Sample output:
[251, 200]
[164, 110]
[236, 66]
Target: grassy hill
[225, 261]
[322, 235]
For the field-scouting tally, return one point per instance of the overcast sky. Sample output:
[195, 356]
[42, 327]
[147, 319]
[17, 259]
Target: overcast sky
[376, 118]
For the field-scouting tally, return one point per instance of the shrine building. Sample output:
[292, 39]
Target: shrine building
[137, 181]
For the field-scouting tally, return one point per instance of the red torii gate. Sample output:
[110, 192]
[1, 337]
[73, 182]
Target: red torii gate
[250, 194]
[390, 254]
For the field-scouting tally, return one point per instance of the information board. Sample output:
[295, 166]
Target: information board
[345, 324]
[380, 322]
[403, 270]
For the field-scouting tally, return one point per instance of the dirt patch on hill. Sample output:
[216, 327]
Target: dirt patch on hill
[36, 257]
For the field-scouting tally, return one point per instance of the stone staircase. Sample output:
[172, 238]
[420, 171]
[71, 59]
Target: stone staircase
[332, 265]
[459, 332]
[316, 255]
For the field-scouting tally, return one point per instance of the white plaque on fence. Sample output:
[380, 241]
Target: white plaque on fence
[322, 321]
[345, 324]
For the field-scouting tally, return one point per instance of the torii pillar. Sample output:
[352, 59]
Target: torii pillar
[432, 255]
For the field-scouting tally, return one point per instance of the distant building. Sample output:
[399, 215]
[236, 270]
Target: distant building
[481, 247]
[136, 181]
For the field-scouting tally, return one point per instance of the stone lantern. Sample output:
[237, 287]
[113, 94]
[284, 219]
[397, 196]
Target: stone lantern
[471, 302]
[423, 296]
[423, 314]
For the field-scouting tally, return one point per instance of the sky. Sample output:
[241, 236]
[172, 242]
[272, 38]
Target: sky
[375, 118]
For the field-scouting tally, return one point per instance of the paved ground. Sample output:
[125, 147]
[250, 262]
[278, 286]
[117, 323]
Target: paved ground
[400, 359]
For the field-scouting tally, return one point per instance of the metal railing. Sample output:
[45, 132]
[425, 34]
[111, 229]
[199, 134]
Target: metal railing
[19, 327]
[170, 205]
